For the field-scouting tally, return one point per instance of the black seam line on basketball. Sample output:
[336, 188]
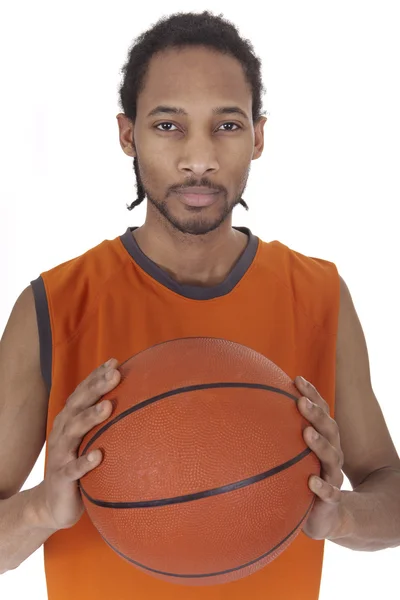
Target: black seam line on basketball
[175, 392]
[204, 575]
[223, 489]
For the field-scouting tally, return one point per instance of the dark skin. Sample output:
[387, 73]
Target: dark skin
[197, 246]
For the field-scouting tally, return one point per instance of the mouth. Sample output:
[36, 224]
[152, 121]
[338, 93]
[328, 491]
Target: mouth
[193, 199]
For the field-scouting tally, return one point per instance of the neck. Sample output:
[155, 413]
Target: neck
[203, 260]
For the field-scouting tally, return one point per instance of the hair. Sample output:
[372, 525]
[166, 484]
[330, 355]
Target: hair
[180, 30]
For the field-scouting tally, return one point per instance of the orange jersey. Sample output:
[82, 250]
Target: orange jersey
[113, 301]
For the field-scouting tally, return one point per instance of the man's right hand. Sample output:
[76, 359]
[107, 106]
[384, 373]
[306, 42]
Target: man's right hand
[59, 495]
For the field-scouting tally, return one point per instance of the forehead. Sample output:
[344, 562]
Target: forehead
[194, 76]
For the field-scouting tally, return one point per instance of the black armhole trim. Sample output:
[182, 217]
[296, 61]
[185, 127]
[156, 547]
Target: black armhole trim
[44, 327]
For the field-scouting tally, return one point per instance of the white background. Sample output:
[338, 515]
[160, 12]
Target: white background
[327, 184]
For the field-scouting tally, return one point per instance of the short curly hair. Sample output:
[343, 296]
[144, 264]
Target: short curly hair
[179, 30]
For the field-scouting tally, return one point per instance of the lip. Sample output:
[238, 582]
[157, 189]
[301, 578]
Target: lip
[197, 190]
[198, 199]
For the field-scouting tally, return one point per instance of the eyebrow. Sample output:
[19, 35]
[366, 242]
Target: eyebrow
[219, 110]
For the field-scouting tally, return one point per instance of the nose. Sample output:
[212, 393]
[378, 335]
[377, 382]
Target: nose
[198, 156]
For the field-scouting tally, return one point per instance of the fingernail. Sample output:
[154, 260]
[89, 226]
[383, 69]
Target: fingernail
[303, 380]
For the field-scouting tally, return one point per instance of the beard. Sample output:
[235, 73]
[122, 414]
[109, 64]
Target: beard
[194, 220]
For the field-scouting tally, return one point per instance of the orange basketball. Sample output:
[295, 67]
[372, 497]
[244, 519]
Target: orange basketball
[204, 477]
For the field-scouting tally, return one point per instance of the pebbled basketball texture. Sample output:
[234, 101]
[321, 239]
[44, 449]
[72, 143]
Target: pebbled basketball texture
[204, 478]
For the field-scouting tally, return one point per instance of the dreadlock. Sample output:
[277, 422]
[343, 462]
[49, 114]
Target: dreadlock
[178, 30]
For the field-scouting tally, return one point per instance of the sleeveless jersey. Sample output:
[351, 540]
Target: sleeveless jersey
[113, 301]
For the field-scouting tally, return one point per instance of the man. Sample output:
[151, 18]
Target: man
[193, 124]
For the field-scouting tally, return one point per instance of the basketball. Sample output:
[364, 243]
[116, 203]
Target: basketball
[204, 477]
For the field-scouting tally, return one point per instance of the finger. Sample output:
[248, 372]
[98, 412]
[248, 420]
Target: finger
[77, 468]
[330, 458]
[77, 427]
[320, 420]
[327, 492]
[91, 389]
[311, 392]
[69, 436]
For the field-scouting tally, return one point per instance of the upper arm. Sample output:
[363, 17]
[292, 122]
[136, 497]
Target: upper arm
[364, 436]
[23, 396]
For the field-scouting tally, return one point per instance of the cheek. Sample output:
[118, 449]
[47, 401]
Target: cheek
[241, 172]
[154, 170]
[237, 161]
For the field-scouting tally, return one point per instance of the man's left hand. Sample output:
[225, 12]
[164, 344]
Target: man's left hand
[326, 516]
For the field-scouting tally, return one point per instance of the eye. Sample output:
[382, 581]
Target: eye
[168, 123]
[165, 123]
[235, 124]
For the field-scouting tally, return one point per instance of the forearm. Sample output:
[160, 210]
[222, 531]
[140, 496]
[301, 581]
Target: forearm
[371, 513]
[22, 528]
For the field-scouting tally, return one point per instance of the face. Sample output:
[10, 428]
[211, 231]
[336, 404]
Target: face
[199, 148]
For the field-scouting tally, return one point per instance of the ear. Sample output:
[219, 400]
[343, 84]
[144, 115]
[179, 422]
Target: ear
[259, 137]
[126, 127]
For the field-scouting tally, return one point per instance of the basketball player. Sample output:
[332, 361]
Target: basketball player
[192, 122]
